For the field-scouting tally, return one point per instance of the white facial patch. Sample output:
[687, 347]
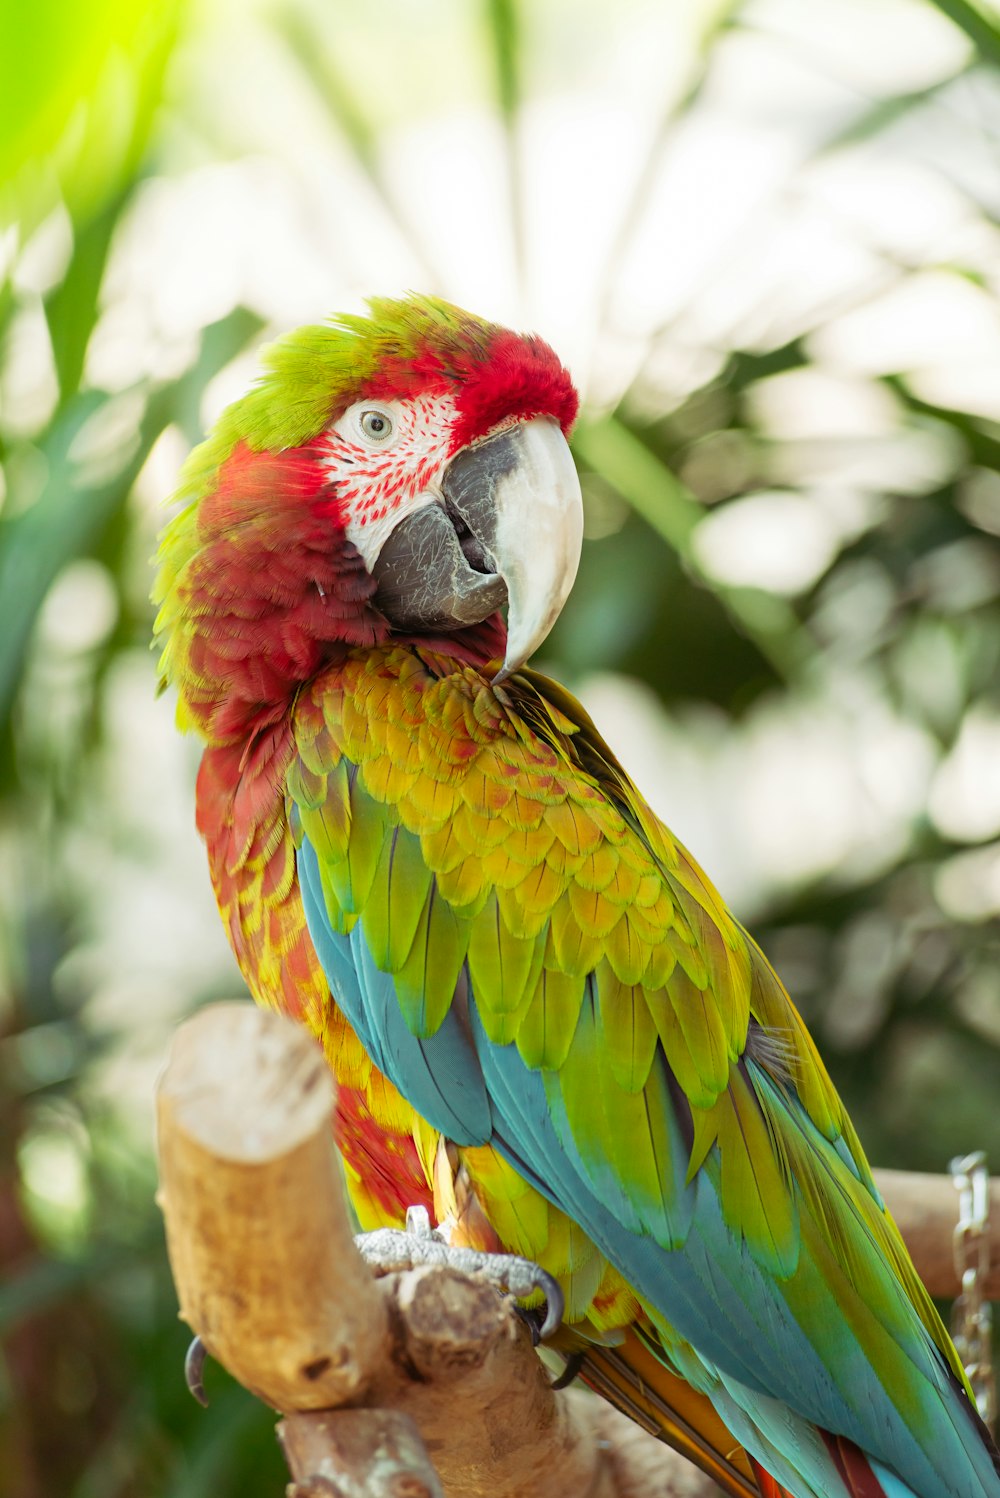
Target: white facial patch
[386, 458]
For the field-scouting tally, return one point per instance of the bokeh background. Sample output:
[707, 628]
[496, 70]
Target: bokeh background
[766, 237]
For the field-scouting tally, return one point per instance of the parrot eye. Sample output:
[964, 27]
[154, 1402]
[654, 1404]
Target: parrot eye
[376, 424]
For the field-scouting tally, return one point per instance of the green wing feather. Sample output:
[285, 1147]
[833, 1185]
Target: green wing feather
[493, 827]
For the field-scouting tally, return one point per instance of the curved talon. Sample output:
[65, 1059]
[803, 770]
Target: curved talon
[555, 1303]
[194, 1367]
[571, 1369]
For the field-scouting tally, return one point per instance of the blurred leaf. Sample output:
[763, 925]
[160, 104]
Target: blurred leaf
[504, 29]
[71, 308]
[623, 459]
[983, 32]
[745, 367]
[45, 1283]
[716, 18]
[980, 436]
[208, 1456]
[67, 519]
[354, 123]
[879, 116]
[336, 93]
[620, 456]
[78, 88]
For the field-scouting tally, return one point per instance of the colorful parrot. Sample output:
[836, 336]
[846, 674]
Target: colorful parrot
[546, 1027]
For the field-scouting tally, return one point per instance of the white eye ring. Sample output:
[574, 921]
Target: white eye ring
[375, 424]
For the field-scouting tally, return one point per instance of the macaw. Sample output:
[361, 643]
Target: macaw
[546, 1027]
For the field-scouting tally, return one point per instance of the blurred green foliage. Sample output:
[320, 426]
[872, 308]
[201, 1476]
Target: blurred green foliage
[892, 957]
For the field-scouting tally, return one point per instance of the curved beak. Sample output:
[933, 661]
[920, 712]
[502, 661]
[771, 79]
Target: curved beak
[510, 528]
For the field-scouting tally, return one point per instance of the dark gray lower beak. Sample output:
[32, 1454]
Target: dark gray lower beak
[437, 569]
[425, 581]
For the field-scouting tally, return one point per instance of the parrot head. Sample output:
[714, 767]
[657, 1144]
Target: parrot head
[403, 472]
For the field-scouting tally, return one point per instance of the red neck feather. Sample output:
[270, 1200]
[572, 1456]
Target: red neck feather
[275, 592]
[272, 592]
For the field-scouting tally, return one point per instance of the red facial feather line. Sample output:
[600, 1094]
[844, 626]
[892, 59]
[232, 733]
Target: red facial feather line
[379, 483]
[271, 538]
[518, 379]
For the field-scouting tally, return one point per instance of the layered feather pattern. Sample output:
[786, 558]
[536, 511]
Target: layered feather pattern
[526, 952]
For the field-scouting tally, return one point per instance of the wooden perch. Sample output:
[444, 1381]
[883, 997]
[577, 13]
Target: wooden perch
[260, 1246]
[432, 1363]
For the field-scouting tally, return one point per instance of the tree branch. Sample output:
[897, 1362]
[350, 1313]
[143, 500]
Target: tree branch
[422, 1361]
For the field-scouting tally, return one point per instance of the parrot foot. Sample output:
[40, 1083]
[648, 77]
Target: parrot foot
[194, 1367]
[389, 1249]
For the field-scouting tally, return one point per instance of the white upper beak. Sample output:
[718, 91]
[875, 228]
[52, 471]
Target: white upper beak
[538, 536]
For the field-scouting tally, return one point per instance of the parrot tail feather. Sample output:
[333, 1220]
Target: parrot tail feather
[639, 1385]
[768, 1485]
[862, 1477]
[854, 1467]
[636, 1382]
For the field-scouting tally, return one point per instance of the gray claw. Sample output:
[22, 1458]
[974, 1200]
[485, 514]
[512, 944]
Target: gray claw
[388, 1249]
[194, 1368]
